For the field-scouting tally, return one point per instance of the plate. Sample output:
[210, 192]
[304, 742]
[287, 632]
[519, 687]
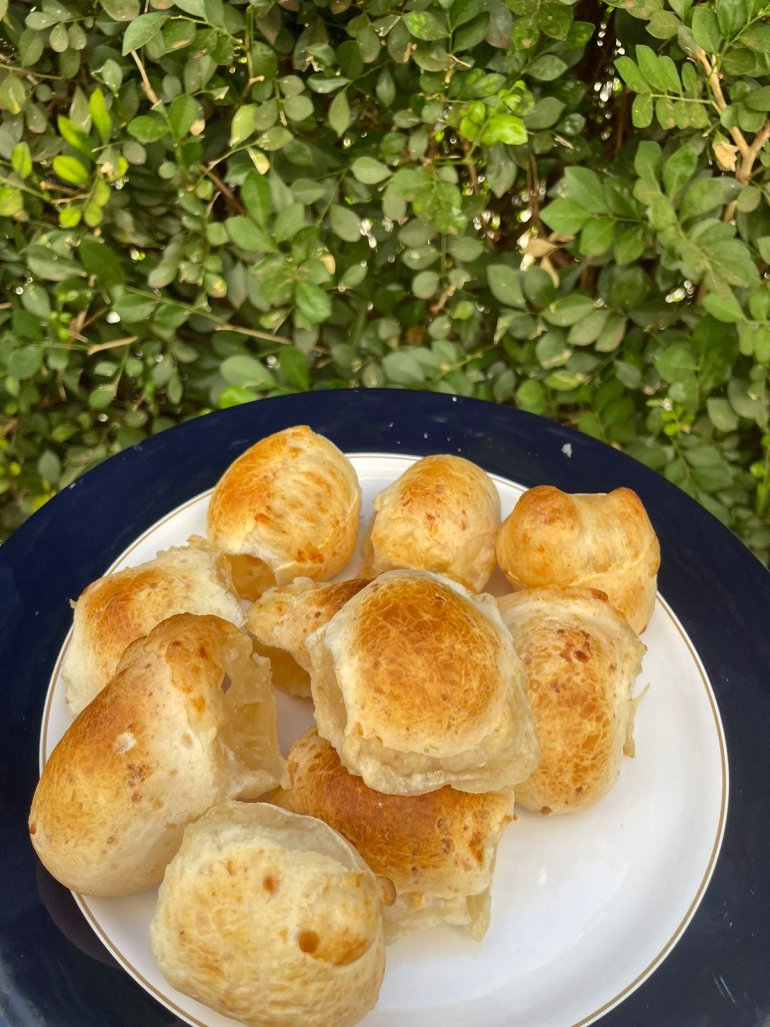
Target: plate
[713, 971]
[613, 886]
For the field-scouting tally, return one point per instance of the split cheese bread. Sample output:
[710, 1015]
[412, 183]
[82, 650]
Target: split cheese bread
[582, 660]
[188, 719]
[281, 620]
[118, 608]
[438, 849]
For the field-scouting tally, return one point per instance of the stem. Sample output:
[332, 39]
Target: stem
[149, 92]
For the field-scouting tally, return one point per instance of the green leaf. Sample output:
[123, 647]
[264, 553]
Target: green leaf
[676, 363]
[706, 194]
[148, 128]
[294, 368]
[298, 108]
[122, 10]
[584, 187]
[505, 285]
[758, 99]
[76, 137]
[255, 194]
[597, 236]
[244, 123]
[275, 138]
[504, 128]
[425, 284]
[724, 308]
[721, 414]
[402, 368]
[71, 170]
[732, 16]
[100, 115]
[544, 114]
[565, 217]
[246, 371]
[642, 110]
[134, 309]
[345, 223]
[25, 362]
[248, 236]
[589, 328]
[142, 30]
[339, 113]
[663, 25]
[100, 261]
[425, 26]
[289, 222]
[21, 160]
[312, 302]
[705, 29]
[679, 169]
[568, 310]
[630, 245]
[631, 75]
[182, 112]
[369, 171]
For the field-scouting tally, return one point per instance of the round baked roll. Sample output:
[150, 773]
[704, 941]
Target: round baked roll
[286, 508]
[554, 539]
[283, 617]
[582, 659]
[437, 849]
[189, 719]
[442, 514]
[121, 607]
[271, 918]
[416, 684]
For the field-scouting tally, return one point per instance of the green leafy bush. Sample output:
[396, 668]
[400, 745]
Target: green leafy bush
[562, 206]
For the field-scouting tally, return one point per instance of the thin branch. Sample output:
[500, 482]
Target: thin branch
[149, 92]
[112, 344]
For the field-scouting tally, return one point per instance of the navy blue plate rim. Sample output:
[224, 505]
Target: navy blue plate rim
[53, 970]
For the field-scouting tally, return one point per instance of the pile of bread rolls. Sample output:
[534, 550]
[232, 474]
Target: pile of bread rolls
[435, 705]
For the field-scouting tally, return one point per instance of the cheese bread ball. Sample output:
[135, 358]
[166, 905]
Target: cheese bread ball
[271, 918]
[554, 539]
[416, 684]
[286, 508]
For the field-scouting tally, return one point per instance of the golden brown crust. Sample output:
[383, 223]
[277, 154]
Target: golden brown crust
[554, 539]
[283, 617]
[121, 607]
[442, 514]
[291, 501]
[416, 684]
[271, 918]
[152, 751]
[581, 659]
[438, 849]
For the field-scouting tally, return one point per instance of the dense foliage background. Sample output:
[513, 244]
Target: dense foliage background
[563, 206]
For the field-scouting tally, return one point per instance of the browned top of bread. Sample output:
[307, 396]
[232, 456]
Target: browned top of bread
[152, 751]
[121, 607]
[442, 514]
[271, 918]
[554, 539]
[291, 500]
[582, 659]
[416, 683]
